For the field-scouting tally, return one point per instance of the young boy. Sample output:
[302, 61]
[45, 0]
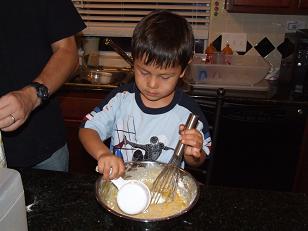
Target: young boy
[144, 118]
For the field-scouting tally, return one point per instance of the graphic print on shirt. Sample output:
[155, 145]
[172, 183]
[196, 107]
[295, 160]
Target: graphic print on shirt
[129, 129]
[140, 152]
[151, 151]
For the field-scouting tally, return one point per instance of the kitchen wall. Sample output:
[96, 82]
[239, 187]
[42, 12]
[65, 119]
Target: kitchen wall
[269, 28]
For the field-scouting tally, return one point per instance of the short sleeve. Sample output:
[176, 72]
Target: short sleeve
[63, 20]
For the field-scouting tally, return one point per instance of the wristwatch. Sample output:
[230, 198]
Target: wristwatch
[41, 91]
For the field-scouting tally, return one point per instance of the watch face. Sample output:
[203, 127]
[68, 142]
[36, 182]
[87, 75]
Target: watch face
[42, 91]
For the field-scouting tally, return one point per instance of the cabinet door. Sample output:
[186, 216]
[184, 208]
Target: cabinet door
[262, 3]
[80, 161]
[267, 6]
[303, 4]
[74, 106]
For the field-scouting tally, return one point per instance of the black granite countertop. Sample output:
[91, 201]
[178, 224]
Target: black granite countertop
[64, 201]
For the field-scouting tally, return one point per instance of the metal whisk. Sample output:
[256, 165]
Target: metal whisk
[166, 182]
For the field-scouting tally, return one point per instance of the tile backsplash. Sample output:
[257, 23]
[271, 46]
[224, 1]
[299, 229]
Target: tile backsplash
[265, 32]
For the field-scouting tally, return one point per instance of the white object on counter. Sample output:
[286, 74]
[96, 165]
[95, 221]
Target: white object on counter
[2, 154]
[12, 201]
[242, 71]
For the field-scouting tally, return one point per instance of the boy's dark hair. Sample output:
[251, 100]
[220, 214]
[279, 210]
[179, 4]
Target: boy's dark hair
[164, 39]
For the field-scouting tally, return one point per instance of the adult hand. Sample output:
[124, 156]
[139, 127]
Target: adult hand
[15, 108]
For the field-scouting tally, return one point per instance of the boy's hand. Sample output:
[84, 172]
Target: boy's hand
[110, 166]
[193, 140]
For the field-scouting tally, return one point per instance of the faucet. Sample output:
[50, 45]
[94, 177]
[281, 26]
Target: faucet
[120, 51]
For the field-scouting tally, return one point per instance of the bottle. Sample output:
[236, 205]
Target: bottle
[228, 52]
[210, 50]
[2, 155]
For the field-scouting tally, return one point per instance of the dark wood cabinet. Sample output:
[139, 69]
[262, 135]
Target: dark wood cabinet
[303, 4]
[75, 105]
[267, 6]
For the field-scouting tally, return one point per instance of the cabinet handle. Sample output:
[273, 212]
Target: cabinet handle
[299, 3]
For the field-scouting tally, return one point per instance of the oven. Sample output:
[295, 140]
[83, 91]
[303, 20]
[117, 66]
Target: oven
[300, 66]
[294, 64]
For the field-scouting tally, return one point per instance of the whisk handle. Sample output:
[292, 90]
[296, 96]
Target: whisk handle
[190, 123]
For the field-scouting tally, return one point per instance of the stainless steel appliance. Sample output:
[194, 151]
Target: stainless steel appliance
[300, 67]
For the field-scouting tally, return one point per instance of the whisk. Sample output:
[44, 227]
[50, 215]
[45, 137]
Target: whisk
[166, 182]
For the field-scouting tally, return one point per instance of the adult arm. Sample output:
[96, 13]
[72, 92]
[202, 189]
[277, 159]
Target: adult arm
[58, 69]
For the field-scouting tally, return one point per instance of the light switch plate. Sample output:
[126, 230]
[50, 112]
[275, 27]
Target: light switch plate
[237, 41]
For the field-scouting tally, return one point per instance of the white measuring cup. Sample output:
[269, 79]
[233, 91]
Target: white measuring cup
[133, 196]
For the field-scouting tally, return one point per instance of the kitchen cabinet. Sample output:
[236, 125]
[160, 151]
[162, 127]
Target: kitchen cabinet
[303, 4]
[75, 105]
[267, 6]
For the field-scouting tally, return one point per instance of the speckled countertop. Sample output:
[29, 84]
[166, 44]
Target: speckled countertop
[63, 201]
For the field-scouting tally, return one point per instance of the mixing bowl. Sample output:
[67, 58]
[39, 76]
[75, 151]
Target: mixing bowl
[147, 171]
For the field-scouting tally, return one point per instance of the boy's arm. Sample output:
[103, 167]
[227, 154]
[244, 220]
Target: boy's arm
[98, 150]
[93, 143]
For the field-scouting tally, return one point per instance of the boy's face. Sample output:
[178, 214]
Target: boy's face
[157, 85]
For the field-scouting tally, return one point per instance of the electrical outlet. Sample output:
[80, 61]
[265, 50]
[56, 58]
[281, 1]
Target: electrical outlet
[295, 25]
[237, 41]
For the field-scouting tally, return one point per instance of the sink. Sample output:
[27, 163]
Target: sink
[115, 76]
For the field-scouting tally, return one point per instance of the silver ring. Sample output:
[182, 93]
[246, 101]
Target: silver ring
[13, 118]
